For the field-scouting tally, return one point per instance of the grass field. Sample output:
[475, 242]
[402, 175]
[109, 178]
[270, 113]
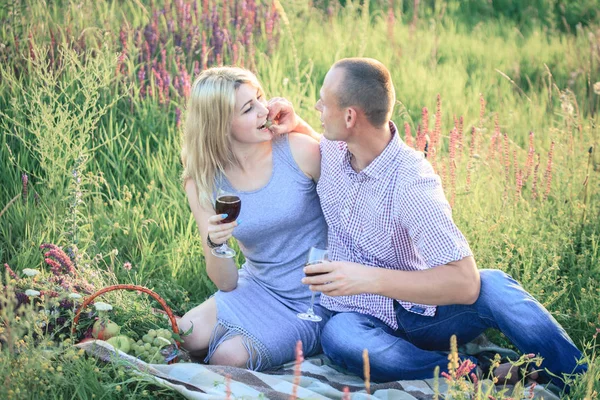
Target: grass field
[92, 95]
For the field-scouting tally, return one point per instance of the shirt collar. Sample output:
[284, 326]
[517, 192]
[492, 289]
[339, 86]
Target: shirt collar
[380, 164]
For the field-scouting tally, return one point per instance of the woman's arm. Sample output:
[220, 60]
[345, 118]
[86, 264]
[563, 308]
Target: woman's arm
[281, 112]
[307, 155]
[222, 271]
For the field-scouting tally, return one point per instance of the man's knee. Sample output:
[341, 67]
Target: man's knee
[344, 338]
[496, 284]
[494, 276]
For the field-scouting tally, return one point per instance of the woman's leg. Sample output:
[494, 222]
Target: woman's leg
[231, 352]
[203, 318]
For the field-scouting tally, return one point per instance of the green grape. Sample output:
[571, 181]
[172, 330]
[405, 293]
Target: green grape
[165, 333]
[161, 342]
[147, 346]
[152, 333]
[147, 338]
[156, 359]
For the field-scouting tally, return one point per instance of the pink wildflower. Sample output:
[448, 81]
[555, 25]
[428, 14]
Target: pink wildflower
[25, 181]
[11, 272]
[297, 369]
[62, 258]
[548, 172]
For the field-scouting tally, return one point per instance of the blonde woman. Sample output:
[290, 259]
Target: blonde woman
[251, 321]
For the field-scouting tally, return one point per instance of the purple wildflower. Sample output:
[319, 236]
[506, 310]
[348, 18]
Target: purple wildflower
[66, 304]
[22, 298]
[49, 246]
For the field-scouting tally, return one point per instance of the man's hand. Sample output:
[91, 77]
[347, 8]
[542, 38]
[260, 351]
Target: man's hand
[340, 278]
[282, 113]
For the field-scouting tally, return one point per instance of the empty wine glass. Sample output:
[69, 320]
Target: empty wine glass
[230, 204]
[315, 256]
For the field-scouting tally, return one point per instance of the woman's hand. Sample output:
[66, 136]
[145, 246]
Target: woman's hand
[217, 232]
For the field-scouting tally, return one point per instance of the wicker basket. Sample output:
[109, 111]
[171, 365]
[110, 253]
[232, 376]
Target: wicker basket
[107, 289]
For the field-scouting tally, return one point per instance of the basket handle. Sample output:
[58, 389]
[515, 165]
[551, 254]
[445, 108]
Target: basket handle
[164, 305]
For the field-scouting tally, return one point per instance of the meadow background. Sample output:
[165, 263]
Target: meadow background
[92, 98]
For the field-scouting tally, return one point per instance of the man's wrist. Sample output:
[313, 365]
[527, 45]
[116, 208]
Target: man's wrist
[303, 127]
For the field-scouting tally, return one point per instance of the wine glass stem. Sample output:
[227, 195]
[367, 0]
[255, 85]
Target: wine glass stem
[312, 302]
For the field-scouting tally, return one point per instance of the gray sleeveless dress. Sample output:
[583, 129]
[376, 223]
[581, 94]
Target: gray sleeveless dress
[279, 223]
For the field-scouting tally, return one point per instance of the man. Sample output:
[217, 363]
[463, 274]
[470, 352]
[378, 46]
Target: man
[402, 279]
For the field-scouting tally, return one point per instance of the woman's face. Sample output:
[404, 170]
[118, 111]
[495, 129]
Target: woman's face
[250, 116]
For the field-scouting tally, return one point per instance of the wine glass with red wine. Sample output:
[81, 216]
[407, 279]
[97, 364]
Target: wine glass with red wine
[315, 256]
[231, 205]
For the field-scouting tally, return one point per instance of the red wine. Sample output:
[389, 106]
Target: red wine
[230, 205]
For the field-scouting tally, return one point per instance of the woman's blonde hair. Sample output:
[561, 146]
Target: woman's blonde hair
[206, 149]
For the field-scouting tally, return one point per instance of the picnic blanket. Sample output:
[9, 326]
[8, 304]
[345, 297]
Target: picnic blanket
[319, 379]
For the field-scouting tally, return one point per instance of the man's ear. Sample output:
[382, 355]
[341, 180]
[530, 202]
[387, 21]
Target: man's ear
[350, 117]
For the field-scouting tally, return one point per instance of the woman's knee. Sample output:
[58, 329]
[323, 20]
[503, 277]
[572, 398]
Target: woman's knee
[231, 352]
[199, 322]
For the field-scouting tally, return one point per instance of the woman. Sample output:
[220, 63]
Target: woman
[251, 321]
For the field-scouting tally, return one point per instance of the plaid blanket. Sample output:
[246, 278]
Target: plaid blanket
[319, 379]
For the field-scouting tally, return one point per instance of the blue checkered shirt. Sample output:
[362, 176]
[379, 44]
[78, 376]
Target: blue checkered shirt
[393, 214]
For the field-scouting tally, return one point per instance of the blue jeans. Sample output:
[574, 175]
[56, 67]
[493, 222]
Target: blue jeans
[421, 343]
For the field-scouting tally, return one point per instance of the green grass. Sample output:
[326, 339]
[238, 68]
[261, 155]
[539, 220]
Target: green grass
[84, 116]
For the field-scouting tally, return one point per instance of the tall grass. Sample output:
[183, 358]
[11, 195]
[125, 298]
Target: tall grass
[93, 93]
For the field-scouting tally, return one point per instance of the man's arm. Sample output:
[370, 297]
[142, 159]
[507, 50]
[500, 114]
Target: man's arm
[421, 210]
[453, 283]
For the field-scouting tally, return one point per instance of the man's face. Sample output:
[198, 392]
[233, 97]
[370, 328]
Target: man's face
[332, 116]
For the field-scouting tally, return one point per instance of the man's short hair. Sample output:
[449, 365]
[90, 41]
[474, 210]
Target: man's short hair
[367, 84]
